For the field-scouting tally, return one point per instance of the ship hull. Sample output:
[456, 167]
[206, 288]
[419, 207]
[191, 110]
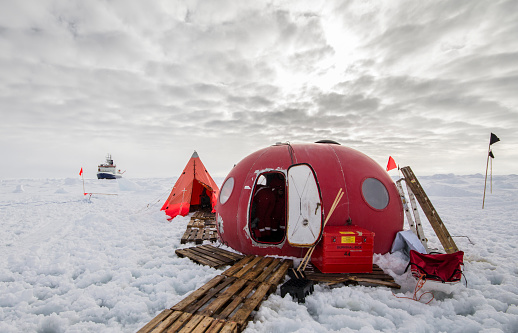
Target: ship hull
[105, 175]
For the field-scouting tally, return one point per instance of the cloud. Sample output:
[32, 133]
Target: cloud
[162, 78]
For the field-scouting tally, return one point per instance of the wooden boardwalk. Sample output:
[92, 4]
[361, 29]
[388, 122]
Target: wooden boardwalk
[377, 277]
[202, 226]
[209, 255]
[226, 302]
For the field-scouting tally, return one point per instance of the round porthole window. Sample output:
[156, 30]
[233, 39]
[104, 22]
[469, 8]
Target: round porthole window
[375, 193]
[226, 190]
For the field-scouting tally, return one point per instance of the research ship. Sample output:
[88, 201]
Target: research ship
[108, 170]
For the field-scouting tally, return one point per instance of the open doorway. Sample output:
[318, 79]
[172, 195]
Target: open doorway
[268, 213]
[200, 197]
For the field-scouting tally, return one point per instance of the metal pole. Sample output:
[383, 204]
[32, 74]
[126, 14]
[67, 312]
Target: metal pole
[487, 164]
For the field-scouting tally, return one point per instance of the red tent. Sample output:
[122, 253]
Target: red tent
[194, 190]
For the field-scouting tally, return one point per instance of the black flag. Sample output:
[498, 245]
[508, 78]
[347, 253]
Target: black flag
[494, 139]
[491, 154]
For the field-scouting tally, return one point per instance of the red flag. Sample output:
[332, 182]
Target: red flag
[391, 164]
[81, 172]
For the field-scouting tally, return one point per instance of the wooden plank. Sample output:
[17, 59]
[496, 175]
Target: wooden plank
[203, 325]
[231, 255]
[209, 255]
[280, 273]
[223, 298]
[259, 268]
[216, 326]
[238, 300]
[198, 239]
[192, 308]
[241, 316]
[230, 328]
[187, 235]
[193, 255]
[198, 293]
[212, 254]
[366, 280]
[184, 318]
[155, 321]
[429, 210]
[168, 321]
[191, 324]
[248, 266]
[238, 266]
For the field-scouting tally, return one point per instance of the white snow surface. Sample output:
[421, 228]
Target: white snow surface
[107, 263]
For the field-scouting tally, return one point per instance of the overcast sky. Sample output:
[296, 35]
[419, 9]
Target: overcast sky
[425, 82]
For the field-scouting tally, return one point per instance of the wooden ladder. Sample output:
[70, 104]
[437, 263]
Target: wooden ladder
[416, 227]
[428, 209]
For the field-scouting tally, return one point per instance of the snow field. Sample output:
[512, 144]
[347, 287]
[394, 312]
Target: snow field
[70, 263]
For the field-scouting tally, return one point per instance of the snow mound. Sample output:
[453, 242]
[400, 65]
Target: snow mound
[127, 185]
[19, 189]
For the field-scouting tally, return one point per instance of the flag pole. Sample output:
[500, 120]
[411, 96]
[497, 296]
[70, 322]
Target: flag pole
[83, 177]
[491, 175]
[485, 180]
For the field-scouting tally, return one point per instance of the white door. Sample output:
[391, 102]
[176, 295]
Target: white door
[304, 207]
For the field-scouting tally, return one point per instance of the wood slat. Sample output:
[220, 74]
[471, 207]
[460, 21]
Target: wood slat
[210, 294]
[168, 321]
[366, 280]
[155, 321]
[279, 273]
[201, 259]
[194, 306]
[191, 325]
[209, 255]
[237, 300]
[260, 268]
[209, 252]
[176, 325]
[224, 297]
[230, 328]
[238, 266]
[248, 266]
[198, 293]
[241, 316]
[231, 255]
[215, 326]
[378, 277]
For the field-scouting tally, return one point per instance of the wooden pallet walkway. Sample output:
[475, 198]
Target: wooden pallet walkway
[226, 302]
[209, 255]
[201, 227]
[377, 277]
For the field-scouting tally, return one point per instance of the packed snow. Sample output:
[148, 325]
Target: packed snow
[107, 263]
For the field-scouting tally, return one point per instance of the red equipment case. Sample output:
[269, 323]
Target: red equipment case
[344, 249]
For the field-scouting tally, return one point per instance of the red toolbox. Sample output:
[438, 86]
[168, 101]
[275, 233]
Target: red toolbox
[344, 249]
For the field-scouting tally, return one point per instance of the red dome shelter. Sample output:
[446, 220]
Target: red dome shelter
[275, 201]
